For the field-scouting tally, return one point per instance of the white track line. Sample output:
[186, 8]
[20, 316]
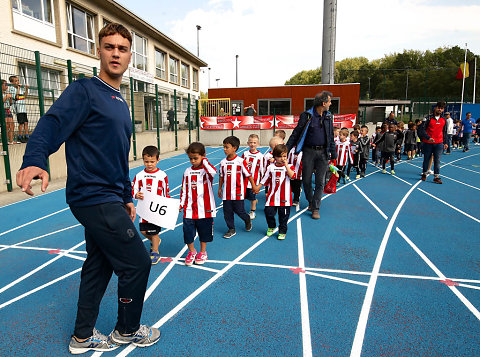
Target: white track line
[469, 286]
[464, 168]
[338, 279]
[306, 333]
[449, 205]
[33, 198]
[363, 319]
[432, 266]
[371, 202]
[201, 267]
[60, 255]
[39, 288]
[462, 158]
[34, 221]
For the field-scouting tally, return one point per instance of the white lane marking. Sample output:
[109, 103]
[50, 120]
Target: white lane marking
[201, 267]
[464, 168]
[338, 279]
[371, 202]
[462, 158]
[33, 198]
[34, 221]
[306, 333]
[437, 271]
[367, 303]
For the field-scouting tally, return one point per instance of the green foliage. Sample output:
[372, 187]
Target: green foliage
[430, 74]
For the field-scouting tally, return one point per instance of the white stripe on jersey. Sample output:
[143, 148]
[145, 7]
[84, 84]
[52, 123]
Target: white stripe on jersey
[197, 198]
[296, 161]
[155, 181]
[278, 182]
[267, 157]
[235, 174]
[344, 153]
[256, 165]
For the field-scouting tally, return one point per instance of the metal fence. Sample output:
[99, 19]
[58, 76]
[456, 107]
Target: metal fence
[32, 81]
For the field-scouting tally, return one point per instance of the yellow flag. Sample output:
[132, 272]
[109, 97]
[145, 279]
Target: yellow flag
[465, 71]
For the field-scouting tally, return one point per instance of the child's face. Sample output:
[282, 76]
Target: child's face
[252, 143]
[335, 132]
[229, 150]
[150, 162]
[353, 138]
[281, 160]
[342, 137]
[14, 81]
[364, 131]
[391, 128]
[195, 159]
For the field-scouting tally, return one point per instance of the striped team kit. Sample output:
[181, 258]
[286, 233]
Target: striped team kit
[151, 181]
[256, 165]
[279, 193]
[235, 175]
[296, 161]
[344, 153]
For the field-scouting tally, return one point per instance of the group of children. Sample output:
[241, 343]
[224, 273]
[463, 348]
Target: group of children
[14, 102]
[240, 178]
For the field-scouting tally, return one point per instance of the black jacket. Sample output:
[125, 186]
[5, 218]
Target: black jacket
[389, 140]
[302, 127]
[364, 147]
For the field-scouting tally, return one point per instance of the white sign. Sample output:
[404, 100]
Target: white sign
[140, 75]
[159, 210]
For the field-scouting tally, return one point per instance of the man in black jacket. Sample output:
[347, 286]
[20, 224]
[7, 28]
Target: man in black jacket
[314, 136]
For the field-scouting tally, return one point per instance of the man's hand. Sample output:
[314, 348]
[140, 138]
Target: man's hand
[139, 195]
[431, 140]
[445, 146]
[25, 177]
[130, 207]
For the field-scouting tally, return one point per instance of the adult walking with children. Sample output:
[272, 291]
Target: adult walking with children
[93, 120]
[313, 135]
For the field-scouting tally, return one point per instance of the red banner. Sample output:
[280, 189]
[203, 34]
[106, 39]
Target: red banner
[266, 122]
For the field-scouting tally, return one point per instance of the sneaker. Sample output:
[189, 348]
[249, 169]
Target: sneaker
[357, 177]
[430, 172]
[190, 258]
[424, 177]
[229, 234]
[384, 171]
[252, 215]
[438, 180]
[248, 225]
[144, 337]
[392, 172]
[97, 342]
[347, 178]
[201, 258]
[281, 236]
[155, 257]
[295, 203]
[315, 214]
[270, 231]
[362, 174]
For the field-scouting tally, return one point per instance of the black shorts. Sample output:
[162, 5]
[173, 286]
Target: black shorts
[22, 118]
[150, 229]
[249, 195]
[203, 226]
[410, 147]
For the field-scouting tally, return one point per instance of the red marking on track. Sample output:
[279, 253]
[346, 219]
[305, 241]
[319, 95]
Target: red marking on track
[449, 282]
[54, 251]
[297, 270]
[165, 260]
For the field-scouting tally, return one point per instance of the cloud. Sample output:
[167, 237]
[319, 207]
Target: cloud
[276, 39]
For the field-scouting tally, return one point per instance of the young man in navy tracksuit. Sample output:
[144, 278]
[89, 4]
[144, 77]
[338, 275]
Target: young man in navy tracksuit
[93, 120]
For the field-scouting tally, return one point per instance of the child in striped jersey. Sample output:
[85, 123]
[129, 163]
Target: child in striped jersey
[296, 161]
[344, 153]
[234, 175]
[151, 179]
[256, 165]
[198, 203]
[279, 195]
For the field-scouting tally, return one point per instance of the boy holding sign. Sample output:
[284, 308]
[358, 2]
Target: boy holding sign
[151, 179]
[198, 203]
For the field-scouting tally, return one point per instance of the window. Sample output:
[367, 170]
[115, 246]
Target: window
[139, 52]
[80, 30]
[160, 58]
[185, 75]
[139, 86]
[195, 79]
[38, 9]
[185, 104]
[50, 80]
[274, 106]
[106, 22]
[334, 107]
[173, 69]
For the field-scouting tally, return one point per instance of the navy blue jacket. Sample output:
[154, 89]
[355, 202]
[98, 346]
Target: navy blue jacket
[300, 131]
[93, 120]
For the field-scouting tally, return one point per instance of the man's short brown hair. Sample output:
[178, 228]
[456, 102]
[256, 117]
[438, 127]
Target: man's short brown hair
[112, 29]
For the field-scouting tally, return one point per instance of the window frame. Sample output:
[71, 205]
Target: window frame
[71, 35]
[195, 79]
[19, 10]
[24, 68]
[173, 73]
[185, 80]
[158, 70]
[135, 53]
[337, 99]
[289, 100]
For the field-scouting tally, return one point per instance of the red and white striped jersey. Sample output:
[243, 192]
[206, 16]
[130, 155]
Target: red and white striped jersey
[344, 153]
[278, 182]
[256, 165]
[296, 161]
[267, 157]
[197, 198]
[151, 181]
[235, 174]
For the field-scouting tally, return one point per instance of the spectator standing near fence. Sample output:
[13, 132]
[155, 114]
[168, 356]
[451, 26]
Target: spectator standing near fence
[467, 129]
[171, 119]
[94, 121]
[313, 135]
[7, 104]
[390, 119]
[250, 111]
[19, 96]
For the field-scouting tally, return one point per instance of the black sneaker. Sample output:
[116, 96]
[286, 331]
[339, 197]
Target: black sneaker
[438, 180]
[424, 177]
[229, 234]
[248, 225]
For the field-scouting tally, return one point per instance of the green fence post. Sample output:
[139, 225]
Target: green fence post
[157, 116]
[132, 105]
[81, 75]
[41, 99]
[175, 123]
[70, 73]
[94, 71]
[188, 122]
[197, 118]
[4, 153]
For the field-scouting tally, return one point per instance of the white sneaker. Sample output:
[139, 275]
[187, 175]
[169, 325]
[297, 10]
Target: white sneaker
[252, 215]
[430, 172]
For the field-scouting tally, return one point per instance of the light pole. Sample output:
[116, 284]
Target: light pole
[406, 89]
[236, 70]
[218, 79]
[198, 40]
[369, 96]
[209, 77]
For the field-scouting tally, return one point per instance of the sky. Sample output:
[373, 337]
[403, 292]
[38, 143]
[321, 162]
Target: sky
[275, 39]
